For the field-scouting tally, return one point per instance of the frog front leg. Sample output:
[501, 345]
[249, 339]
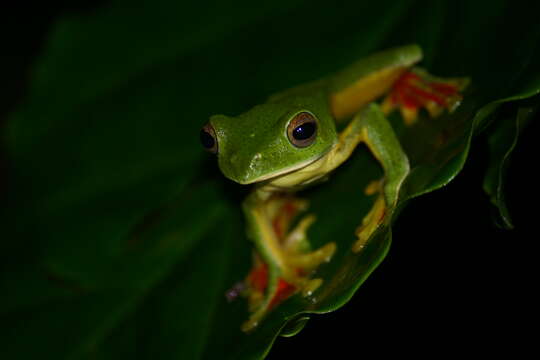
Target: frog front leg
[283, 261]
[377, 133]
[371, 127]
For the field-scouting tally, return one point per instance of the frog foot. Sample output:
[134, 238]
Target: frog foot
[257, 284]
[284, 289]
[294, 243]
[298, 255]
[300, 261]
[306, 262]
[263, 298]
[370, 223]
[266, 290]
[417, 89]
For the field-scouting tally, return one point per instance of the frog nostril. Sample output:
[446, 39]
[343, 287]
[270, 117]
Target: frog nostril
[255, 161]
[234, 158]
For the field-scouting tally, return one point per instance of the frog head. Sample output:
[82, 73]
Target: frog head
[271, 139]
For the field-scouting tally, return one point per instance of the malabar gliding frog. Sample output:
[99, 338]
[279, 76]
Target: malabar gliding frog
[291, 141]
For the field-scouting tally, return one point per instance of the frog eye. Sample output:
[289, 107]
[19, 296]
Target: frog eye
[302, 129]
[209, 139]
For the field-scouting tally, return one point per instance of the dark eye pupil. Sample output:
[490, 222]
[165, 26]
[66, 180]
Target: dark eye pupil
[304, 131]
[207, 140]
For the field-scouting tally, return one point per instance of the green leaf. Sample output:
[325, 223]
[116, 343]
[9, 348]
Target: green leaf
[120, 236]
[502, 142]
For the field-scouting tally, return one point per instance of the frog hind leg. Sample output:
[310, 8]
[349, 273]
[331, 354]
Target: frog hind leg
[416, 89]
[300, 259]
[262, 285]
[274, 289]
[284, 261]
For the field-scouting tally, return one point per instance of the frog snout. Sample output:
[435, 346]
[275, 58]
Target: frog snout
[239, 161]
[245, 171]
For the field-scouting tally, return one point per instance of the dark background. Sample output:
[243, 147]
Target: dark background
[428, 292]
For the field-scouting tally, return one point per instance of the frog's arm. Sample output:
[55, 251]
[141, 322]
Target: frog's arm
[371, 127]
[377, 133]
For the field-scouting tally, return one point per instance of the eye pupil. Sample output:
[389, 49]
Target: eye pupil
[304, 131]
[207, 140]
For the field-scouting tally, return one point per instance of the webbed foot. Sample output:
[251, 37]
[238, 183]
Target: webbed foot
[269, 286]
[300, 260]
[417, 89]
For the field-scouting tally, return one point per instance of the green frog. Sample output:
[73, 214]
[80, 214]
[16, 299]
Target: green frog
[291, 142]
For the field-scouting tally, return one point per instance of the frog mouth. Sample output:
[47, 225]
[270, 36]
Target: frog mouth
[285, 171]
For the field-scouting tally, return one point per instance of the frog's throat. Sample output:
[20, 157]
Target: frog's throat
[291, 169]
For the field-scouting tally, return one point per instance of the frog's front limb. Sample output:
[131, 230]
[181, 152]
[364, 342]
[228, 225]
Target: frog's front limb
[382, 141]
[285, 260]
[372, 128]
